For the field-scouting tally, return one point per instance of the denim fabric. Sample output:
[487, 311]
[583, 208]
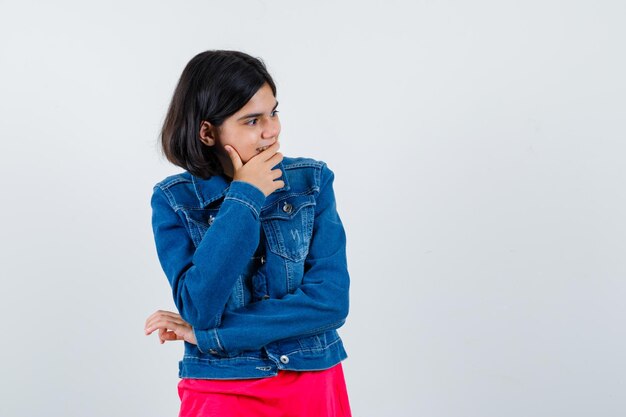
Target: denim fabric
[262, 280]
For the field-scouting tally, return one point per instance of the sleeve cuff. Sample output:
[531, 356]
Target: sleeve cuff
[247, 194]
[209, 341]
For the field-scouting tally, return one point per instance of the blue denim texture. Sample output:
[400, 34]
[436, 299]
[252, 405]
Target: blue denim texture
[262, 280]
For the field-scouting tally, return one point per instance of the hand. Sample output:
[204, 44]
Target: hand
[258, 170]
[171, 327]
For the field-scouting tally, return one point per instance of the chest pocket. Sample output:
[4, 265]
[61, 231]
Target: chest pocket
[198, 222]
[288, 225]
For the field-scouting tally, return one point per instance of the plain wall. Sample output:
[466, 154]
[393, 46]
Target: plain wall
[478, 150]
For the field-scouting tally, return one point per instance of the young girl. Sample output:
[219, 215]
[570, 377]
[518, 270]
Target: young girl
[254, 250]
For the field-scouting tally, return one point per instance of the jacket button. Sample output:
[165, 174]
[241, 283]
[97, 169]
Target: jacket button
[287, 208]
[266, 297]
[284, 359]
[262, 260]
[213, 351]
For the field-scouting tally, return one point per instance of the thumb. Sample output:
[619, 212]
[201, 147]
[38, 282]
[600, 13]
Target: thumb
[234, 157]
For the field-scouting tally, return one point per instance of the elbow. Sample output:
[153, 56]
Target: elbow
[337, 317]
[343, 309]
[198, 315]
[340, 307]
[344, 304]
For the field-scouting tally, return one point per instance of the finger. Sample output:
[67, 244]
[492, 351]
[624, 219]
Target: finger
[234, 157]
[269, 152]
[279, 184]
[161, 329]
[166, 324]
[166, 335]
[164, 313]
[160, 313]
[169, 336]
[163, 324]
[160, 316]
[161, 332]
[275, 159]
[151, 323]
[276, 173]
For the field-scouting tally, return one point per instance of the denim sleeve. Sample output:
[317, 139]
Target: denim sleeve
[320, 303]
[203, 278]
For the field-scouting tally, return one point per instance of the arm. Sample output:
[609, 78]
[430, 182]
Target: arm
[319, 304]
[202, 279]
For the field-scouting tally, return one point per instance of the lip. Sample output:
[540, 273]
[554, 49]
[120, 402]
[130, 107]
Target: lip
[262, 148]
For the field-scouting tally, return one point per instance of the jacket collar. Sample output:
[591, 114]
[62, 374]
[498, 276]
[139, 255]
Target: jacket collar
[215, 187]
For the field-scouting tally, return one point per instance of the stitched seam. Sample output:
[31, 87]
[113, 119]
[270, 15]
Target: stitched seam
[195, 190]
[244, 202]
[318, 176]
[171, 182]
[214, 198]
[170, 198]
[310, 164]
[250, 358]
[290, 216]
[291, 195]
[314, 349]
[218, 340]
[329, 326]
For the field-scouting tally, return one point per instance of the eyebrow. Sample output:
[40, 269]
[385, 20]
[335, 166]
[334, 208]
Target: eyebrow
[251, 115]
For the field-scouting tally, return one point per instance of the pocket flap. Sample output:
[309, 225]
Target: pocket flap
[287, 208]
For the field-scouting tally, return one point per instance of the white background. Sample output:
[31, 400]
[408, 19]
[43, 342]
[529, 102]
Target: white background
[478, 149]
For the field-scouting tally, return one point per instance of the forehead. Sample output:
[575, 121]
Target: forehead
[264, 97]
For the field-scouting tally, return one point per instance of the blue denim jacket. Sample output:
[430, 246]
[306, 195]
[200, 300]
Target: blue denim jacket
[262, 280]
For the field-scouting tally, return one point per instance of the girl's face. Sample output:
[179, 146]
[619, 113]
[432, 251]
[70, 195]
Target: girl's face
[249, 131]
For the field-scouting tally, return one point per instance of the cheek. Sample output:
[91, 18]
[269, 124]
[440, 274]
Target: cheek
[240, 139]
[246, 149]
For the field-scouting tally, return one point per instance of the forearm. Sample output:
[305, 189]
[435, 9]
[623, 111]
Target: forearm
[311, 309]
[202, 279]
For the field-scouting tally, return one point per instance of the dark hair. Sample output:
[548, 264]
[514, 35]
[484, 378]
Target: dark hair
[213, 86]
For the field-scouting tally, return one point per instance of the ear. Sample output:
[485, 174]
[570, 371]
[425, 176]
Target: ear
[208, 133]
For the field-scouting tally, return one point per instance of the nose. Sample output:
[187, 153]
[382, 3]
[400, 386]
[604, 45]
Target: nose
[271, 129]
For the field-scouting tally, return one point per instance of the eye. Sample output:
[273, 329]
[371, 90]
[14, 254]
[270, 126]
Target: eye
[274, 113]
[252, 122]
